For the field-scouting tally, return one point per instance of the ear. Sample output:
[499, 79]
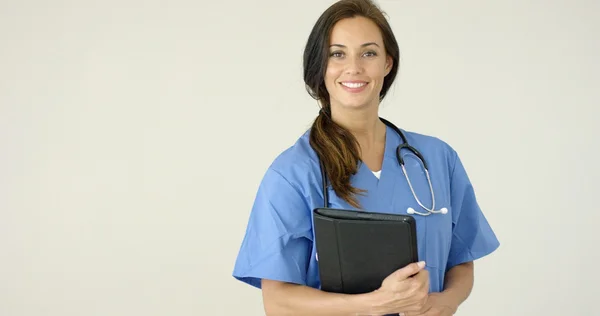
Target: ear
[389, 63]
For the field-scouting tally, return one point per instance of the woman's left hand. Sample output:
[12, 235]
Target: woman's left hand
[436, 305]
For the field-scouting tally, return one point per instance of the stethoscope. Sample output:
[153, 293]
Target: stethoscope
[404, 145]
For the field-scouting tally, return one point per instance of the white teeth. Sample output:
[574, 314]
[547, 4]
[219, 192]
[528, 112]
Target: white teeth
[353, 85]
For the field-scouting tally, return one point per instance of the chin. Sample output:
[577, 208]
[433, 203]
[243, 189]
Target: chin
[356, 103]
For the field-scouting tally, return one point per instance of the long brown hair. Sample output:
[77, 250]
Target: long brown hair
[335, 146]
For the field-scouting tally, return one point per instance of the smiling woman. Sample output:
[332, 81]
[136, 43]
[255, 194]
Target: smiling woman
[350, 62]
[354, 43]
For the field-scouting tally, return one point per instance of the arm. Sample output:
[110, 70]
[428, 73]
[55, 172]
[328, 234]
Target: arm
[403, 290]
[459, 283]
[472, 238]
[277, 245]
[284, 299]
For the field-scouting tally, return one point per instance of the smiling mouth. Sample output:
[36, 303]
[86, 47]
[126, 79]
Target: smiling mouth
[354, 85]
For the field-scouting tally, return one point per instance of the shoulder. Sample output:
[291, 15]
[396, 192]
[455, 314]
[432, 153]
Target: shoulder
[432, 146]
[298, 157]
[297, 166]
[426, 140]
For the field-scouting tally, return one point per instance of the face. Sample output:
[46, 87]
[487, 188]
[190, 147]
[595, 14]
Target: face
[357, 64]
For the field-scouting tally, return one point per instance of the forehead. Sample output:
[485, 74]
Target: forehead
[355, 31]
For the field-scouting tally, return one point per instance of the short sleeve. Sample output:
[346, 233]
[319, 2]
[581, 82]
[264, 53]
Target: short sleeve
[472, 235]
[277, 242]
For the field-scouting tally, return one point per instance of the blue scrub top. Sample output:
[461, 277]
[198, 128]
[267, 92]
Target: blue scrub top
[279, 239]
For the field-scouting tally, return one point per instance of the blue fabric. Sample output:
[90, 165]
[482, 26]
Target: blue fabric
[278, 242]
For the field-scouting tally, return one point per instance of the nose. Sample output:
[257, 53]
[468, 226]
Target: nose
[354, 66]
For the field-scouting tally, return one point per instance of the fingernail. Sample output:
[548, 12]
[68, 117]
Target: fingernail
[421, 264]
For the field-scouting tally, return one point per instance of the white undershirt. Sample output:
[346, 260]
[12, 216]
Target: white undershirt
[377, 173]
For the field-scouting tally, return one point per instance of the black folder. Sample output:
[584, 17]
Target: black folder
[357, 250]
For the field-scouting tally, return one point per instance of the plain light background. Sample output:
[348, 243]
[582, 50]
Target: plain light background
[134, 134]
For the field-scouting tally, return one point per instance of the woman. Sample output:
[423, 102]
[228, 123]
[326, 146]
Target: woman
[350, 62]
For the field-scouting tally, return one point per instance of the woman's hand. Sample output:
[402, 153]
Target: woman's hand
[405, 290]
[436, 305]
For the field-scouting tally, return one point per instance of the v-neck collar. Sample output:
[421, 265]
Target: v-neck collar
[380, 189]
[389, 154]
[386, 153]
[387, 166]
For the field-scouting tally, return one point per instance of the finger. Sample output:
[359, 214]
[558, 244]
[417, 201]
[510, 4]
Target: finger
[416, 308]
[424, 274]
[422, 278]
[408, 313]
[418, 282]
[430, 312]
[409, 270]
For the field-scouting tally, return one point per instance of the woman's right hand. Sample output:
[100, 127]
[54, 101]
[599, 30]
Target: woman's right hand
[405, 290]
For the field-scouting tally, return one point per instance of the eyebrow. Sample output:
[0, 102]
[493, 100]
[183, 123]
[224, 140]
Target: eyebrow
[363, 45]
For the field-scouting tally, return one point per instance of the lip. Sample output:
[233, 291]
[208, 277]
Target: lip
[354, 90]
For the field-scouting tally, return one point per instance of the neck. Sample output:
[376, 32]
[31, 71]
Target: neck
[364, 124]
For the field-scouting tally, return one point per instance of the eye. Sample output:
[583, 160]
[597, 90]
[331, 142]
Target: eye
[370, 54]
[336, 54]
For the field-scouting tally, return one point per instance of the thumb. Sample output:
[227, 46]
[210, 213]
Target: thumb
[409, 270]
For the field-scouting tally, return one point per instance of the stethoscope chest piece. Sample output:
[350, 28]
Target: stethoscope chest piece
[411, 211]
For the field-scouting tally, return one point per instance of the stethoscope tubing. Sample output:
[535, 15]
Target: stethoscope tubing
[400, 159]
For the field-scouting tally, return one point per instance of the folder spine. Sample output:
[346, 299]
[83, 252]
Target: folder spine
[328, 251]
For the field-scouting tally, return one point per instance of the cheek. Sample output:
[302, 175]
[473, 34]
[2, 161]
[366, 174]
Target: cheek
[331, 75]
[377, 71]
[378, 75]
[332, 72]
